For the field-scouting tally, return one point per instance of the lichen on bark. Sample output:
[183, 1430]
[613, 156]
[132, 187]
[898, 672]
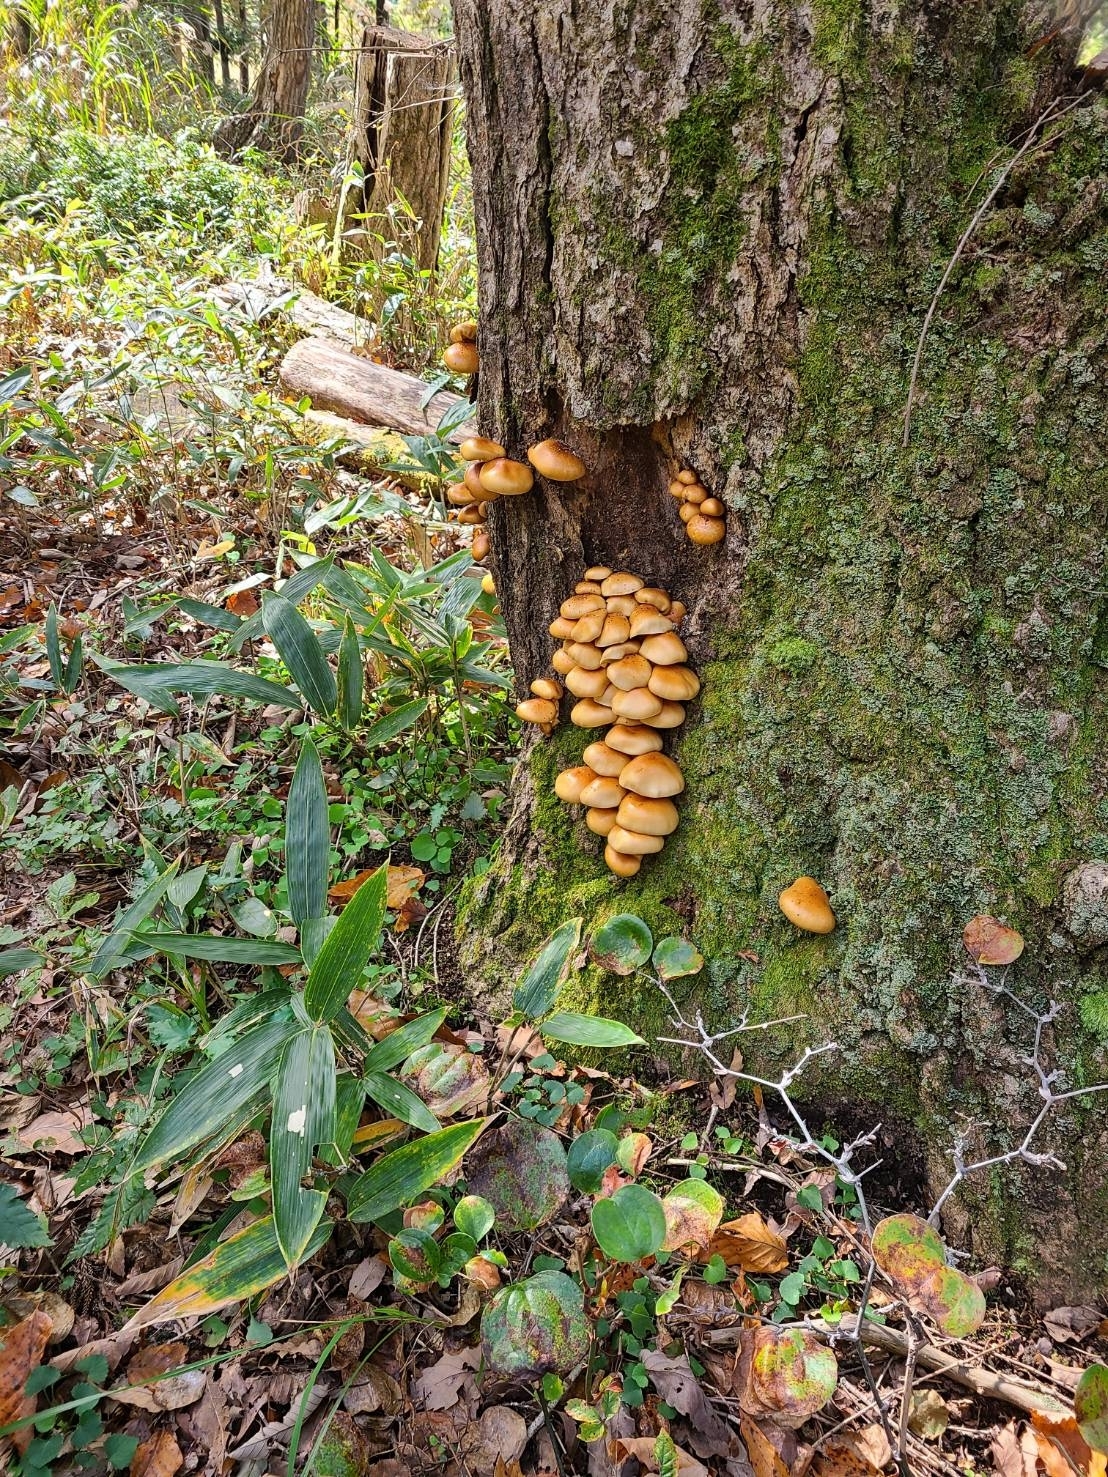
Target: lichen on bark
[712, 240]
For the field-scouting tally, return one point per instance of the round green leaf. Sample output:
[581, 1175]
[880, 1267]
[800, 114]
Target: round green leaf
[520, 1169]
[474, 1216]
[589, 1156]
[414, 1253]
[907, 1248]
[630, 1225]
[536, 1327]
[1090, 1406]
[674, 958]
[622, 944]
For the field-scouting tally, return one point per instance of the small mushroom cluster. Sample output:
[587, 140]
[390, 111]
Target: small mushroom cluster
[460, 355]
[701, 513]
[492, 473]
[623, 661]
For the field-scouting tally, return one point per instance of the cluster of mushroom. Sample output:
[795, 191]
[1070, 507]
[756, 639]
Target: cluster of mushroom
[622, 658]
[491, 473]
[701, 513]
[460, 355]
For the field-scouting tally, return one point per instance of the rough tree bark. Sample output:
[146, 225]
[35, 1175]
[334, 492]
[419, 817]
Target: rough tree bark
[707, 236]
[274, 120]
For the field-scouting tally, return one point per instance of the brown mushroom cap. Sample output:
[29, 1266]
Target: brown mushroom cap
[638, 705]
[621, 583]
[604, 759]
[461, 358]
[586, 655]
[807, 905]
[571, 782]
[677, 489]
[464, 332]
[589, 627]
[623, 605]
[649, 817]
[578, 605]
[472, 515]
[614, 632]
[617, 653]
[600, 820]
[667, 650]
[687, 476]
[603, 793]
[633, 739]
[695, 494]
[630, 672]
[621, 865]
[471, 479]
[704, 530]
[675, 684]
[587, 587]
[597, 572]
[672, 715]
[607, 695]
[646, 620]
[563, 663]
[561, 628]
[554, 460]
[588, 713]
[633, 843]
[479, 548]
[537, 710]
[506, 478]
[547, 687]
[711, 507]
[583, 683]
[687, 512]
[676, 612]
[653, 595]
[480, 449]
[653, 775]
[459, 495]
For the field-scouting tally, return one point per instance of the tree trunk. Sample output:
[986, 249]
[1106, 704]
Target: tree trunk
[403, 100]
[707, 238]
[221, 44]
[274, 120]
[244, 54]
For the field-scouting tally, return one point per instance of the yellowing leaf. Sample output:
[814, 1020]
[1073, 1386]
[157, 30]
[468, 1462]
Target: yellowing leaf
[750, 1244]
[991, 942]
[206, 550]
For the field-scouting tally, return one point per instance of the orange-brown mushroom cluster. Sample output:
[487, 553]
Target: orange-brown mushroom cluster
[491, 473]
[701, 513]
[622, 659]
[460, 355]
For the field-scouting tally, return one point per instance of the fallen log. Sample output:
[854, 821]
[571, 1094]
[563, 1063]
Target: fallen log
[333, 379]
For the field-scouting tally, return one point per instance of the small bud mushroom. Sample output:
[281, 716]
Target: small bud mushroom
[605, 760]
[600, 820]
[480, 449]
[623, 605]
[806, 905]
[617, 653]
[639, 704]
[548, 688]
[696, 494]
[647, 621]
[676, 612]
[631, 672]
[471, 479]
[687, 512]
[479, 548]
[589, 627]
[563, 663]
[652, 595]
[505, 477]
[653, 775]
[672, 715]
[647, 816]
[458, 495]
[687, 476]
[615, 630]
[633, 843]
[667, 650]
[473, 515]
[590, 714]
[554, 460]
[711, 507]
[464, 332]
[675, 684]
[488, 585]
[598, 572]
[578, 605]
[633, 739]
[586, 655]
[571, 782]
[583, 683]
[622, 866]
[704, 530]
[461, 358]
[604, 793]
[561, 629]
[586, 587]
[621, 583]
[537, 710]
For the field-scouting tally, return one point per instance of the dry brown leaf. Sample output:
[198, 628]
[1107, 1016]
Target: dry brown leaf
[374, 1389]
[1007, 1453]
[989, 941]
[439, 1386]
[1071, 1325]
[20, 1353]
[150, 1281]
[771, 1452]
[57, 1132]
[928, 1416]
[150, 1385]
[402, 883]
[842, 1458]
[243, 603]
[367, 1276]
[61, 1315]
[678, 1386]
[499, 1434]
[642, 1449]
[158, 1457]
[750, 1244]
[1062, 1448]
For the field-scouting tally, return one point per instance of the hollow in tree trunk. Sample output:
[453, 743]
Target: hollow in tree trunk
[708, 235]
[274, 119]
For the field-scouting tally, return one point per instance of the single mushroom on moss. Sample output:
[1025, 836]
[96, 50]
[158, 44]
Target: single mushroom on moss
[621, 865]
[633, 739]
[604, 793]
[605, 760]
[676, 684]
[583, 683]
[590, 714]
[600, 820]
[555, 461]
[806, 905]
[666, 650]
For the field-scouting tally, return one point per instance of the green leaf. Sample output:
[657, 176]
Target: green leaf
[400, 1101]
[1090, 1405]
[234, 1080]
[474, 1216]
[587, 1030]
[630, 1225]
[415, 1254]
[347, 949]
[406, 1172]
[216, 946]
[590, 1154]
[14, 960]
[395, 723]
[398, 1045]
[622, 944]
[19, 1226]
[238, 1268]
[301, 653]
[120, 1449]
[536, 991]
[155, 681]
[111, 950]
[303, 1119]
[351, 678]
[307, 838]
[674, 958]
[536, 1327]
